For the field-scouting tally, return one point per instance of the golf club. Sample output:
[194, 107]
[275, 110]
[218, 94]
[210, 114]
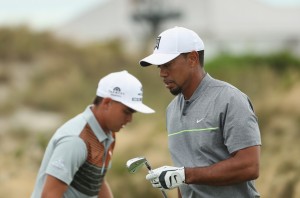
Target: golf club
[135, 163]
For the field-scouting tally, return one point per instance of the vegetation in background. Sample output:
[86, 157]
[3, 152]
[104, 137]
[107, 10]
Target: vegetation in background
[41, 72]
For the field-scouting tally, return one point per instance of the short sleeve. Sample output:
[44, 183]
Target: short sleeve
[241, 127]
[68, 155]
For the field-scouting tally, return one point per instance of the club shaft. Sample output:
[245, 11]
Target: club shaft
[148, 166]
[150, 170]
[164, 194]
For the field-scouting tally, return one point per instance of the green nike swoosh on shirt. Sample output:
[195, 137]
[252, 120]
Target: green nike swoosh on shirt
[193, 130]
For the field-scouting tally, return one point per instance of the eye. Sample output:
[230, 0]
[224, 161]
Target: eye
[164, 66]
[128, 111]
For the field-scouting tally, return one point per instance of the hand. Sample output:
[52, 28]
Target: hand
[166, 177]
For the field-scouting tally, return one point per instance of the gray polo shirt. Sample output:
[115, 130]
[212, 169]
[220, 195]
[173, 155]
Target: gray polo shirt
[217, 121]
[78, 154]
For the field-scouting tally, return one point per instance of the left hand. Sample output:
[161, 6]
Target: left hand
[166, 177]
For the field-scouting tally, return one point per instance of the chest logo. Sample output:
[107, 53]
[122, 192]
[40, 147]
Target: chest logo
[198, 121]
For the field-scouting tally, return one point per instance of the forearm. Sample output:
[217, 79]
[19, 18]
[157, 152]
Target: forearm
[105, 191]
[243, 166]
[179, 194]
[53, 187]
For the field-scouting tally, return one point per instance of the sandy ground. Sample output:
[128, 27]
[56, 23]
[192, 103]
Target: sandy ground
[17, 184]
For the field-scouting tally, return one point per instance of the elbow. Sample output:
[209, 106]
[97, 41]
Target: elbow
[254, 172]
[255, 175]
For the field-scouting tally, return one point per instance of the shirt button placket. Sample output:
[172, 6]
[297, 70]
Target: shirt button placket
[186, 105]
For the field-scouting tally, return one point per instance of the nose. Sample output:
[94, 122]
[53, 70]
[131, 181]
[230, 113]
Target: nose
[163, 71]
[129, 117]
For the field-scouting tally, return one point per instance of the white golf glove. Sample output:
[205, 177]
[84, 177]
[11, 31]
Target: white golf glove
[166, 177]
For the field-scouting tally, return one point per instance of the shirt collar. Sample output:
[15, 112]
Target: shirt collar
[201, 87]
[95, 126]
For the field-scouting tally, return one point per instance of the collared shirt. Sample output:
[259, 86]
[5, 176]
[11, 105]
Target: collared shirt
[78, 154]
[214, 123]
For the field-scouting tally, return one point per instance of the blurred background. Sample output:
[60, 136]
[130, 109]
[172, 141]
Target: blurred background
[53, 53]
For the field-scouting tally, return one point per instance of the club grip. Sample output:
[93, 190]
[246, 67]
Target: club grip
[150, 170]
[148, 166]
[164, 194]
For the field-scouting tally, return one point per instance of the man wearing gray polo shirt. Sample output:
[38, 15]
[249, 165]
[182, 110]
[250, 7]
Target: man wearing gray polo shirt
[213, 134]
[79, 153]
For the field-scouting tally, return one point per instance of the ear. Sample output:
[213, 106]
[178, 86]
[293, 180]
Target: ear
[193, 58]
[106, 102]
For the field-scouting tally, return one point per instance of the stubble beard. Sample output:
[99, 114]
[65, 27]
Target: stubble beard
[176, 91]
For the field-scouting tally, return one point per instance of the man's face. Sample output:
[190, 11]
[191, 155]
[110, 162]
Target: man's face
[119, 116]
[113, 115]
[175, 74]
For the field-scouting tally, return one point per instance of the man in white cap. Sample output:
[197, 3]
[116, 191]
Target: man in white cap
[79, 153]
[213, 134]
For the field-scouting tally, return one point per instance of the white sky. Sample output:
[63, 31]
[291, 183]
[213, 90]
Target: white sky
[45, 14]
[42, 14]
[283, 2]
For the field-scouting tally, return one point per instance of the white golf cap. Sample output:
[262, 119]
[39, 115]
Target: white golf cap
[171, 43]
[124, 88]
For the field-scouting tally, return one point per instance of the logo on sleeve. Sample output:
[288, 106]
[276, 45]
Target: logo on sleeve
[59, 164]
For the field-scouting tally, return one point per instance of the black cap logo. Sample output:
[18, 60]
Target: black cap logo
[116, 92]
[141, 93]
[157, 42]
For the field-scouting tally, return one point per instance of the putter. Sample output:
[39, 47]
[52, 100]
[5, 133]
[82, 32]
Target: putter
[136, 163]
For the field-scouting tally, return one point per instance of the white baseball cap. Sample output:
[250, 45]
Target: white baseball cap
[124, 88]
[171, 43]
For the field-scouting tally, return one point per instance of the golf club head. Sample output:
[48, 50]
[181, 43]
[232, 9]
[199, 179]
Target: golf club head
[135, 163]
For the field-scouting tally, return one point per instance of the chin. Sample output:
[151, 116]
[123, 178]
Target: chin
[175, 92]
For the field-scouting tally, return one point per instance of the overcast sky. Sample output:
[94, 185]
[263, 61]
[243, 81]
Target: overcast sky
[42, 14]
[45, 14]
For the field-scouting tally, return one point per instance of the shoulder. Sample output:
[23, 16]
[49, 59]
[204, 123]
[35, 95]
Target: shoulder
[227, 90]
[68, 143]
[72, 127]
[227, 95]
[232, 97]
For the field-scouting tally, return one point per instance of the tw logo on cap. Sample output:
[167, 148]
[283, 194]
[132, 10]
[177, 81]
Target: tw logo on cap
[157, 42]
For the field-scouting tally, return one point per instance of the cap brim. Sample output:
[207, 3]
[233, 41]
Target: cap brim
[158, 59]
[140, 107]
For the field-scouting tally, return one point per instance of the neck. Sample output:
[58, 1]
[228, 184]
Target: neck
[193, 85]
[96, 109]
